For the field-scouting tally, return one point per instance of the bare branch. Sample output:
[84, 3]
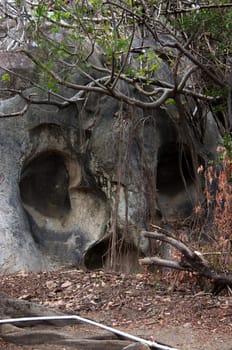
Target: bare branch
[125, 58]
[196, 8]
[185, 78]
[165, 237]
[188, 54]
[159, 83]
[190, 261]
[167, 93]
[61, 81]
[161, 262]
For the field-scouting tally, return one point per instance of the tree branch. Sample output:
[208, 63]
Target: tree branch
[188, 54]
[198, 7]
[189, 261]
[161, 262]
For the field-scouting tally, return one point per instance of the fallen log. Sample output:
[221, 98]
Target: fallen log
[189, 261]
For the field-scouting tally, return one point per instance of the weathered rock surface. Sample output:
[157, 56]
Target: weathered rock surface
[70, 177]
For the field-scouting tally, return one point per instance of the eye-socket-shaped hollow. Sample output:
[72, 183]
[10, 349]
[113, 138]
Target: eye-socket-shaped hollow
[44, 184]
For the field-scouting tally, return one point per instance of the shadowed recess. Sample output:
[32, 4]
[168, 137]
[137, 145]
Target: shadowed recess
[44, 185]
[175, 168]
[97, 256]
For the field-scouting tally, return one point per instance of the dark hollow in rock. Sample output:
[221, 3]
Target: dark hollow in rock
[97, 256]
[44, 184]
[175, 168]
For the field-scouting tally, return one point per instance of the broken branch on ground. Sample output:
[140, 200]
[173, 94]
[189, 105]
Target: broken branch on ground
[190, 260]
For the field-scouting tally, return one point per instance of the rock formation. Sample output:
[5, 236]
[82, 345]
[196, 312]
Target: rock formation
[71, 177]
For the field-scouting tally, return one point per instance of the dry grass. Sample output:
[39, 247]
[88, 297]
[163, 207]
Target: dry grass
[219, 202]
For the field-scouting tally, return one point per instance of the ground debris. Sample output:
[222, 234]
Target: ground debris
[136, 303]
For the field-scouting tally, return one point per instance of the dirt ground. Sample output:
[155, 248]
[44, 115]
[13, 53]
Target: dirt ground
[179, 314]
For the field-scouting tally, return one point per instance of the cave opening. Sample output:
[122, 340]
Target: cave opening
[175, 168]
[44, 184]
[97, 256]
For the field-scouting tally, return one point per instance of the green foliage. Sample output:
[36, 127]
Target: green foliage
[170, 101]
[220, 98]
[68, 33]
[149, 62]
[213, 26]
[208, 30]
[226, 152]
[216, 91]
[227, 143]
[6, 77]
[80, 24]
[210, 162]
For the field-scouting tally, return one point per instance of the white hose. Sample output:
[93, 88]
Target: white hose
[152, 344]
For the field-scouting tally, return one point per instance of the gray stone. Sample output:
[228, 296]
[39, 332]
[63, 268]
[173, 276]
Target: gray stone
[70, 177]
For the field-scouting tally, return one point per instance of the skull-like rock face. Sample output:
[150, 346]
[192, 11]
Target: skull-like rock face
[72, 177]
